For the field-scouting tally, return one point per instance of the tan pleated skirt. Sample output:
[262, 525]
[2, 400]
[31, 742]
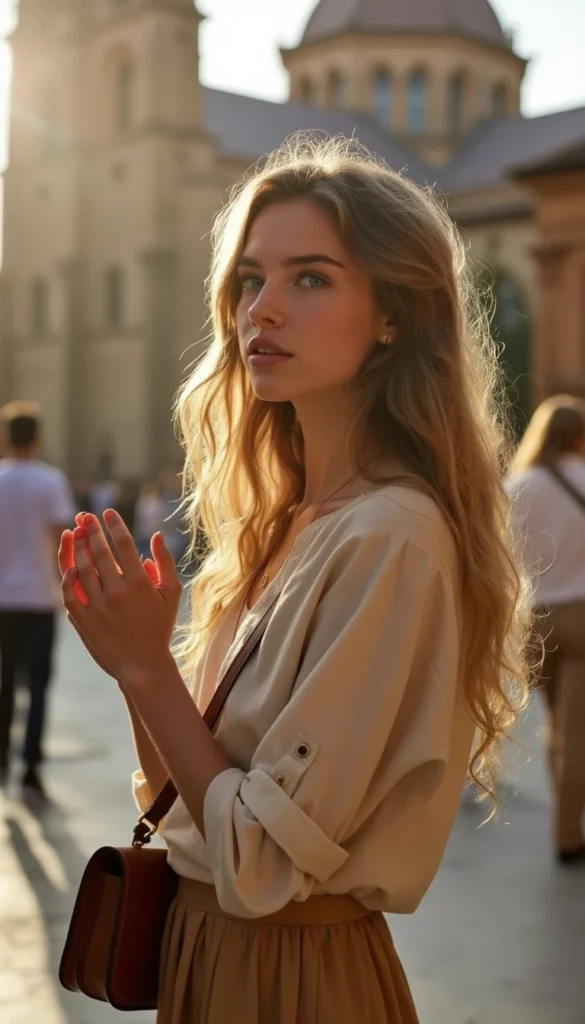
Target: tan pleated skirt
[325, 961]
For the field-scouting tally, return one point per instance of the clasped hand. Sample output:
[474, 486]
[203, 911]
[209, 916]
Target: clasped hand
[124, 611]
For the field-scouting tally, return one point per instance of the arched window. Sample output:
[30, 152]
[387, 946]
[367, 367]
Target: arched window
[418, 101]
[499, 99]
[307, 91]
[383, 98]
[114, 295]
[337, 90]
[124, 96]
[39, 306]
[455, 96]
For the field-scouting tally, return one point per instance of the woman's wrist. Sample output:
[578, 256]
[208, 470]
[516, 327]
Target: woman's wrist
[149, 680]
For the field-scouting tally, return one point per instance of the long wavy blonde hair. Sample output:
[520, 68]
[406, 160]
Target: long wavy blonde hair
[435, 397]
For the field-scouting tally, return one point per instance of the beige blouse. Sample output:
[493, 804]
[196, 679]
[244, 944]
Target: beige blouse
[347, 729]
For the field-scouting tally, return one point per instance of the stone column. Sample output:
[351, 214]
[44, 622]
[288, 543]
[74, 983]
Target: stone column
[573, 332]
[160, 268]
[551, 260]
[7, 342]
[75, 381]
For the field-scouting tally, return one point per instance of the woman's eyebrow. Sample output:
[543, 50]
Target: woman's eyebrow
[293, 261]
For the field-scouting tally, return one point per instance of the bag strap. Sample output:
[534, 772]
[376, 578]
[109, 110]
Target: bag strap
[567, 485]
[148, 822]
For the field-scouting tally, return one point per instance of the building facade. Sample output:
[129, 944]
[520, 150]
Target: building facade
[119, 159]
[558, 185]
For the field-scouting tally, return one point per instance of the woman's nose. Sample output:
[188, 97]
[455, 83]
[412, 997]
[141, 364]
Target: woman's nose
[266, 308]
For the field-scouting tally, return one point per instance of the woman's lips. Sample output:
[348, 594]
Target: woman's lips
[261, 359]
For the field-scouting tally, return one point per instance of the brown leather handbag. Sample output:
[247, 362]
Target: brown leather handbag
[112, 951]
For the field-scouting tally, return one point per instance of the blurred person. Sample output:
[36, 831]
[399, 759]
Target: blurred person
[82, 487]
[149, 516]
[343, 452]
[126, 502]
[35, 504]
[104, 494]
[547, 485]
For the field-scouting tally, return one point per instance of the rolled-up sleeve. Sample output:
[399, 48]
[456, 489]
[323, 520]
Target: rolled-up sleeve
[140, 791]
[371, 709]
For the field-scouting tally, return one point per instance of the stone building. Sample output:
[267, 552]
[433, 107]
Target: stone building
[119, 158]
[557, 182]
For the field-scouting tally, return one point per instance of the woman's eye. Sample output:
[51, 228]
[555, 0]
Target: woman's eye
[313, 280]
[250, 283]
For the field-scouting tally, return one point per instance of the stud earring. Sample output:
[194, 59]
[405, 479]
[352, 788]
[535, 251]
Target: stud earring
[386, 339]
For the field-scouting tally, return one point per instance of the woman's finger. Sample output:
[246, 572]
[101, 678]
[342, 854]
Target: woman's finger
[66, 560]
[79, 522]
[152, 571]
[124, 545]
[65, 556]
[71, 601]
[85, 566]
[103, 558]
[170, 584]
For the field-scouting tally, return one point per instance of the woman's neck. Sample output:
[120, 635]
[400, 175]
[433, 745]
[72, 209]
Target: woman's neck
[325, 421]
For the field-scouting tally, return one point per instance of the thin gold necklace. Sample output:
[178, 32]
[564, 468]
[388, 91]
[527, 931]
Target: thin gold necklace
[265, 578]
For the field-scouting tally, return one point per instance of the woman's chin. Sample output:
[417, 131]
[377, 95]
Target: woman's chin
[271, 391]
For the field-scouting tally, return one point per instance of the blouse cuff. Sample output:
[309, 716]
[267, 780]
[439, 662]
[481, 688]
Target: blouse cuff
[306, 845]
[140, 791]
[309, 849]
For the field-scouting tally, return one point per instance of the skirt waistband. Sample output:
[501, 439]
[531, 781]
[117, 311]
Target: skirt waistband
[325, 909]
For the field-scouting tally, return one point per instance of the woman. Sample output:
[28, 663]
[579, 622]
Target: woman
[547, 485]
[342, 452]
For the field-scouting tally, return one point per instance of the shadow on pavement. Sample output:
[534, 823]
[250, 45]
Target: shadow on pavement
[53, 864]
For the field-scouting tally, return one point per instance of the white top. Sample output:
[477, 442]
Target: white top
[550, 528]
[33, 497]
[348, 729]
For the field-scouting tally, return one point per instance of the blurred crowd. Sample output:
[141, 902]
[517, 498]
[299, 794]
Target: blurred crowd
[145, 507]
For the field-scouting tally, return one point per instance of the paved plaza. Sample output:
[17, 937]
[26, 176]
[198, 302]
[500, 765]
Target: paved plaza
[500, 939]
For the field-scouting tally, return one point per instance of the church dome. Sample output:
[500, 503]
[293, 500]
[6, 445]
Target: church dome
[473, 18]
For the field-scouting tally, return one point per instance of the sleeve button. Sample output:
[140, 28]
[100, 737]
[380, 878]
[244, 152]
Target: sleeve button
[303, 750]
[280, 779]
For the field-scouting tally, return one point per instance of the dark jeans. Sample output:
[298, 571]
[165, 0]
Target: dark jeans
[26, 643]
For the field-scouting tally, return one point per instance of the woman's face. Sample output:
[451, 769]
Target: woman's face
[302, 290]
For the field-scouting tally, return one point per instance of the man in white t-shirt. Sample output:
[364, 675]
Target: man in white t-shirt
[36, 505]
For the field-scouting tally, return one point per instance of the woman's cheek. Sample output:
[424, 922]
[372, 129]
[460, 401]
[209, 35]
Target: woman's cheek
[322, 318]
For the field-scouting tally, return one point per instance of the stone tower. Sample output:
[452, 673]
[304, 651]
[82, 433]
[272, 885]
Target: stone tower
[98, 289]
